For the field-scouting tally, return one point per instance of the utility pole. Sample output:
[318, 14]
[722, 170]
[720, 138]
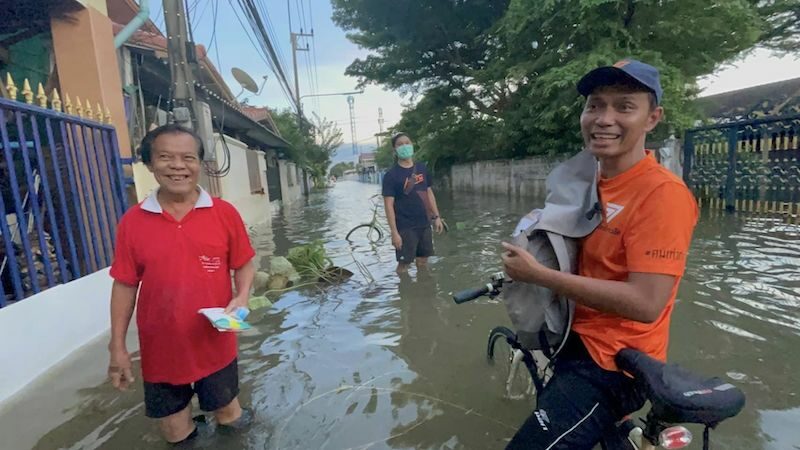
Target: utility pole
[294, 37]
[351, 101]
[380, 125]
[178, 48]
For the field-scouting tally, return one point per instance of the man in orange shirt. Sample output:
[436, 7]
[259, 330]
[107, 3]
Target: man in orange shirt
[629, 267]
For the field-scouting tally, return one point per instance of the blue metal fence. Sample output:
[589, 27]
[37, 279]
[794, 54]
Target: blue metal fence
[63, 191]
[748, 166]
[371, 177]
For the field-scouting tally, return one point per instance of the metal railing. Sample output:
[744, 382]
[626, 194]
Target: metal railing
[371, 177]
[63, 191]
[748, 166]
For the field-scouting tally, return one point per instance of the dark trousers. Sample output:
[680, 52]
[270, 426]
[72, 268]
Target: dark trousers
[580, 406]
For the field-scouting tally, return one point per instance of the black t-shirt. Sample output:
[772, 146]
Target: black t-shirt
[410, 195]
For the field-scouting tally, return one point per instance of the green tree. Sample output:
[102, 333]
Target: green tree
[494, 79]
[327, 137]
[384, 155]
[339, 169]
[313, 145]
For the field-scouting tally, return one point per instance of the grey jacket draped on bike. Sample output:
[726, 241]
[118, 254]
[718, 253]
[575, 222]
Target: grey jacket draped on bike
[542, 318]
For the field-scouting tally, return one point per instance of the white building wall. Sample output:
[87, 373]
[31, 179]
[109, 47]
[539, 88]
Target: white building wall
[291, 182]
[235, 186]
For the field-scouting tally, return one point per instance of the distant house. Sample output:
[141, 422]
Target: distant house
[366, 162]
[774, 99]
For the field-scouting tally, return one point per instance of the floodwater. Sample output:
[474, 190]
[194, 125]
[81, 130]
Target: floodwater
[387, 362]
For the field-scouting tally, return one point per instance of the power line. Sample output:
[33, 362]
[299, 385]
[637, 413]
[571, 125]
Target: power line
[300, 10]
[214, 28]
[256, 22]
[189, 22]
[258, 27]
[272, 35]
[160, 19]
[260, 52]
[203, 12]
[289, 12]
[310, 78]
[314, 50]
[255, 46]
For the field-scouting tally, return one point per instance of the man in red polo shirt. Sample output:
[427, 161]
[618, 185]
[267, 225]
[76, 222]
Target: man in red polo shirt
[177, 249]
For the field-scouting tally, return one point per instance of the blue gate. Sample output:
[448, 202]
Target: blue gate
[748, 166]
[63, 191]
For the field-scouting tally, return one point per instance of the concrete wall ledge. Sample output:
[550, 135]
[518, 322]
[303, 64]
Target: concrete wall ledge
[40, 331]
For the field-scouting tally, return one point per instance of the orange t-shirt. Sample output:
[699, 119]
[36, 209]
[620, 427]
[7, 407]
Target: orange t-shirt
[648, 218]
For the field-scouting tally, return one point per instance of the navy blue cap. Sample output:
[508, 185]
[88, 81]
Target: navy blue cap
[627, 69]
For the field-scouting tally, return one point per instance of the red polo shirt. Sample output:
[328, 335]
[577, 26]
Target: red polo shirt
[181, 267]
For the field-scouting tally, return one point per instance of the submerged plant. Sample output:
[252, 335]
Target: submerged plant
[310, 259]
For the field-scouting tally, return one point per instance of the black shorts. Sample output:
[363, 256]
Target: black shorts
[417, 243]
[214, 392]
[580, 406]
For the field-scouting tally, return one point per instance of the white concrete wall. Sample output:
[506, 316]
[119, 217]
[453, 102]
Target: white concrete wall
[294, 191]
[521, 177]
[235, 186]
[670, 154]
[41, 330]
[144, 181]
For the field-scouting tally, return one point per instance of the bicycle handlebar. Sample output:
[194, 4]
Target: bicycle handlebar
[492, 289]
[471, 294]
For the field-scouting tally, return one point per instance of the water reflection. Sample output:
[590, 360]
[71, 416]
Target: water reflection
[389, 362]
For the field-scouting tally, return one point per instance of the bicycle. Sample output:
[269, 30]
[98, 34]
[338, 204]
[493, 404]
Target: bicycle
[677, 396]
[373, 228]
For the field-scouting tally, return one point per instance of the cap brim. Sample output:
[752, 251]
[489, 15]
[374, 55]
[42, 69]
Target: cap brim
[604, 76]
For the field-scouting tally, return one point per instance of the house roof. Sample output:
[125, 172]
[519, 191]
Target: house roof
[256, 113]
[157, 42]
[123, 11]
[773, 99]
[149, 41]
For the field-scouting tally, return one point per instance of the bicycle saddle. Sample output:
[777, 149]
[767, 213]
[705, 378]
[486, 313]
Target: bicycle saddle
[678, 395]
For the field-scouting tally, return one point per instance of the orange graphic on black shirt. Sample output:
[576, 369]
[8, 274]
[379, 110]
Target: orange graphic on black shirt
[418, 179]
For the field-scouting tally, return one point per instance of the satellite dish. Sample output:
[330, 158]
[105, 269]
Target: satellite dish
[245, 80]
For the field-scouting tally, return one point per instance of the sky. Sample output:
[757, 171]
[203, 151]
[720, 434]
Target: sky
[333, 54]
[321, 71]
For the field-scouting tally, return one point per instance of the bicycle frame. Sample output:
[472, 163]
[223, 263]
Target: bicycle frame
[521, 356]
[373, 225]
[654, 430]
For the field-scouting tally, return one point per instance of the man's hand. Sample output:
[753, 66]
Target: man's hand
[521, 265]
[438, 225]
[237, 302]
[119, 369]
[397, 241]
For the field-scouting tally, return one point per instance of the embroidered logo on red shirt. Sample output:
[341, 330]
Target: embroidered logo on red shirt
[210, 263]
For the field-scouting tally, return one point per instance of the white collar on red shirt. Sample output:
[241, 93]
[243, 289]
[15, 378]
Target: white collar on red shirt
[150, 204]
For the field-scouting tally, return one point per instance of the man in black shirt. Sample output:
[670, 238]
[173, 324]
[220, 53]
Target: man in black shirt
[410, 206]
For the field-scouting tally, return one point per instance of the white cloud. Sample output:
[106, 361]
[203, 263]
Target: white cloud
[332, 80]
[759, 67]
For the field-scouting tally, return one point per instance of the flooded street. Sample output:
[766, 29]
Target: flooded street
[388, 362]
